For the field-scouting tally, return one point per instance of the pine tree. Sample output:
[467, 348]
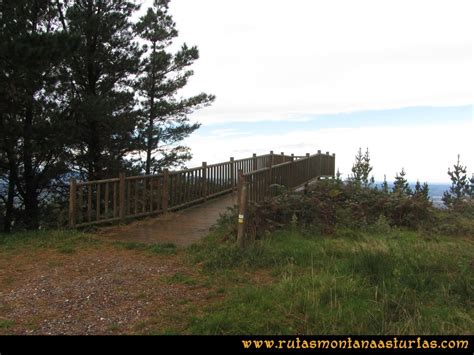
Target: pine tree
[417, 187]
[471, 189]
[164, 117]
[459, 185]
[421, 191]
[385, 184]
[361, 168]
[425, 191]
[32, 145]
[401, 185]
[99, 85]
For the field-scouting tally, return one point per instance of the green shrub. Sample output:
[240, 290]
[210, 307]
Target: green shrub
[331, 204]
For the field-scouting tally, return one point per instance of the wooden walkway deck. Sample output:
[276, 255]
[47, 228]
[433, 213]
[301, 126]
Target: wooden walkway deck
[181, 228]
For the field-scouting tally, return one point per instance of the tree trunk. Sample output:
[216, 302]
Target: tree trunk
[149, 142]
[31, 194]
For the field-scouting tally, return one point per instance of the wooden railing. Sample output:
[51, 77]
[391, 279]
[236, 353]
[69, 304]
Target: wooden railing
[117, 199]
[262, 183]
[257, 185]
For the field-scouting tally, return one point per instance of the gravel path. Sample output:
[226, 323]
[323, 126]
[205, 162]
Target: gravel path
[93, 291]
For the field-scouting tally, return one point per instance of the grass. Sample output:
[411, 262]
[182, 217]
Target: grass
[158, 248]
[180, 278]
[6, 324]
[399, 282]
[379, 281]
[64, 241]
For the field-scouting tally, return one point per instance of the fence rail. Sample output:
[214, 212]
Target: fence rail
[257, 185]
[263, 183]
[117, 199]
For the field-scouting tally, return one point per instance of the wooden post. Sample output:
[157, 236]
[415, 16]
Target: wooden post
[271, 168]
[240, 174]
[232, 173]
[164, 194]
[320, 157]
[97, 202]
[89, 203]
[115, 199]
[106, 198]
[242, 212]
[292, 172]
[333, 165]
[307, 173]
[254, 157]
[122, 196]
[204, 180]
[72, 203]
[328, 162]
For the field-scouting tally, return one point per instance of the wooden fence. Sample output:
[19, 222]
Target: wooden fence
[261, 183]
[117, 199]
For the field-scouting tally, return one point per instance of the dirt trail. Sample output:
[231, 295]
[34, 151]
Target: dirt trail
[101, 290]
[181, 228]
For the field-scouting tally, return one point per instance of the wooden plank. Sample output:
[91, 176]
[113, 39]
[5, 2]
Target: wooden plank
[72, 203]
[204, 180]
[115, 200]
[232, 172]
[106, 200]
[80, 215]
[144, 195]
[151, 195]
[241, 222]
[88, 183]
[129, 194]
[158, 194]
[89, 203]
[135, 197]
[97, 202]
[164, 194]
[122, 196]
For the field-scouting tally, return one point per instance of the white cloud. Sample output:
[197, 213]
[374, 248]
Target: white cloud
[271, 59]
[276, 60]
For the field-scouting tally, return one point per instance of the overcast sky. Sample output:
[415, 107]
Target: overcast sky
[270, 61]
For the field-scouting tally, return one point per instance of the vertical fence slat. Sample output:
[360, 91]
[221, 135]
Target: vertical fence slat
[232, 173]
[150, 182]
[97, 202]
[204, 180]
[144, 194]
[115, 202]
[106, 200]
[72, 203]
[164, 193]
[129, 202]
[89, 203]
[121, 196]
[135, 197]
[79, 205]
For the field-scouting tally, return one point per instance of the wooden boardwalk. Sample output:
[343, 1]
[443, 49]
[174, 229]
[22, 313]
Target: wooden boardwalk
[181, 228]
[184, 204]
